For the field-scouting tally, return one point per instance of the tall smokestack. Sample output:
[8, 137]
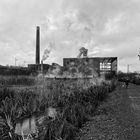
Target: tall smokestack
[38, 45]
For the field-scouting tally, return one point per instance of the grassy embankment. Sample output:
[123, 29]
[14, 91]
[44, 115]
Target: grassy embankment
[17, 80]
[74, 100]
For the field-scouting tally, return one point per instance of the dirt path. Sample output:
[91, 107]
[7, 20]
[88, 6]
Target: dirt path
[118, 118]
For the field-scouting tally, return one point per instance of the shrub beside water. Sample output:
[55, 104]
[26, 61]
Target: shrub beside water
[74, 105]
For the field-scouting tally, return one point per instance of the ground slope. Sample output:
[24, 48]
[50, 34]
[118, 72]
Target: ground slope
[117, 118]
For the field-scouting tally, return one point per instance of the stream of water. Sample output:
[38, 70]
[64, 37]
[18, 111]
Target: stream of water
[29, 125]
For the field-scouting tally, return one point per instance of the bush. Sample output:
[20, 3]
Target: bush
[73, 102]
[17, 80]
[136, 81]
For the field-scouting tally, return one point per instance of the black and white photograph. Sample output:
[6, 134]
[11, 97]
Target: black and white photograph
[69, 69]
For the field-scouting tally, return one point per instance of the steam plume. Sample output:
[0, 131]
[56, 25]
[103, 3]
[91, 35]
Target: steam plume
[47, 51]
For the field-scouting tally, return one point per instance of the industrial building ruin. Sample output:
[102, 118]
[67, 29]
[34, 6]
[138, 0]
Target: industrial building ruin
[90, 66]
[38, 66]
[81, 66]
[95, 66]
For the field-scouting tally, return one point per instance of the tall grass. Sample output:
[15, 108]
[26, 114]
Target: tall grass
[74, 102]
[17, 80]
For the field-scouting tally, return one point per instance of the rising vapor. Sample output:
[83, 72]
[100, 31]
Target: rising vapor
[47, 51]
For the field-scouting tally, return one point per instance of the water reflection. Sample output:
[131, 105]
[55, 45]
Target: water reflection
[28, 126]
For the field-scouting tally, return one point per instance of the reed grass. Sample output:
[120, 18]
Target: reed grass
[74, 100]
[17, 80]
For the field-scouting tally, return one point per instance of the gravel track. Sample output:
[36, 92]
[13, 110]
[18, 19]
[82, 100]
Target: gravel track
[117, 118]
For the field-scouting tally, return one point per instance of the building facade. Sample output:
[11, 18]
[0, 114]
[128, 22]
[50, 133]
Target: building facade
[94, 66]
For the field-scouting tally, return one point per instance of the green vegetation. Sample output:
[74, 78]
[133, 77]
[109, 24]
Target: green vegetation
[14, 70]
[75, 101]
[132, 77]
[16, 80]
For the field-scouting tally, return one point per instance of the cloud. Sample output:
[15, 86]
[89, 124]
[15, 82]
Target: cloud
[105, 27]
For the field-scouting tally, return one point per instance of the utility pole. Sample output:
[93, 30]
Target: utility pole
[15, 61]
[128, 68]
[24, 63]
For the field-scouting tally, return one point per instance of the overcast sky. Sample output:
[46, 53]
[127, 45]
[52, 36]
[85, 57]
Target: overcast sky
[104, 27]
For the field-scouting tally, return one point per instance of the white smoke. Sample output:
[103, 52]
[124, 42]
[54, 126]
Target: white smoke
[47, 51]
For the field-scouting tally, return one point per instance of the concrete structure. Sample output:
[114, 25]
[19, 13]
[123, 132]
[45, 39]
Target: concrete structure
[39, 67]
[94, 66]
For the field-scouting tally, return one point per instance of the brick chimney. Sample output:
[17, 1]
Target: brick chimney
[37, 45]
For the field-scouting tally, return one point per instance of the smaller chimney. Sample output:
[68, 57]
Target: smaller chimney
[41, 66]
